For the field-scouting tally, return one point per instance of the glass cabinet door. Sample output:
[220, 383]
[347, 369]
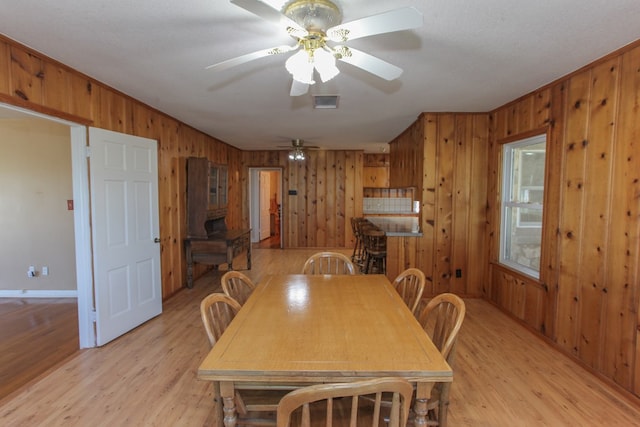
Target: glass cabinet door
[217, 186]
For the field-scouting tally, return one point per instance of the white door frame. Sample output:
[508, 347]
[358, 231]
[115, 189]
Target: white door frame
[82, 225]
[254, 201]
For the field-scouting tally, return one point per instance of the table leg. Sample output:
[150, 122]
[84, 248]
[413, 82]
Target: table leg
[230, 256]
[217, 404]
[423, 393]
[189, 267]
[248, 254]
[227, 392]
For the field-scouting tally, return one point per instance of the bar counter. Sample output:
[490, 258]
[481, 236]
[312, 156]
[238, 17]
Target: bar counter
[397, 226]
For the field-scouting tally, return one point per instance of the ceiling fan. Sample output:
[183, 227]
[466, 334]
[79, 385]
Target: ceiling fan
[298, 149]
[314, 23]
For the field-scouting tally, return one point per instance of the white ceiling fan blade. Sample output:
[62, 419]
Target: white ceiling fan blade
[298, 88]
[268, 13]
[250, 57]
[404, 18]
[369, 63]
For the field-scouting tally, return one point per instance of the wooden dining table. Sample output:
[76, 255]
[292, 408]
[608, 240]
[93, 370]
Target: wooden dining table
[304, 329]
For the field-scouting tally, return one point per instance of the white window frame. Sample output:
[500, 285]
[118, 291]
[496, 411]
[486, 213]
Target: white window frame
[508, 206]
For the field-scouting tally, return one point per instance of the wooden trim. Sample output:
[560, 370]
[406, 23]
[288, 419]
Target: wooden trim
[524, 135]
[27, 105]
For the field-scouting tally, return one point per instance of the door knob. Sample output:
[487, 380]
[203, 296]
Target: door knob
[156, 240]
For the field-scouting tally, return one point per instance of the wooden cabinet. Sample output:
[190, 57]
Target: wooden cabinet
[376, 170]
[206, 194]
[376, 176]
[208, 241]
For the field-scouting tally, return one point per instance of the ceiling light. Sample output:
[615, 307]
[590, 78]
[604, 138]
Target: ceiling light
[315, 54]
[325, 64]
[300, 65]
[296, 154]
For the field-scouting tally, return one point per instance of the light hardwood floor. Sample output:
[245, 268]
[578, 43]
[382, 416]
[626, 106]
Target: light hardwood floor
[46, 325]
[504, 375]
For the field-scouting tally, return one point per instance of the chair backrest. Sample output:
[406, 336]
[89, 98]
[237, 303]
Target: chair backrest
[410, 285]
[375, 240]
[328, 263]
[217, 311]
[237, 285]
[317, 402]
[442, 318]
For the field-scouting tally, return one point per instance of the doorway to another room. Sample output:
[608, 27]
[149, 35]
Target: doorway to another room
[266, 207]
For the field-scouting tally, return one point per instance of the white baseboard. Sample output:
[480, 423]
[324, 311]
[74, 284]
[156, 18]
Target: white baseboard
[37, 293]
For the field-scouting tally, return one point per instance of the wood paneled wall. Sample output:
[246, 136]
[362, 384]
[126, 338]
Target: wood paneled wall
[328, 187]
[33, 81]
[445, 157]
[587, 299]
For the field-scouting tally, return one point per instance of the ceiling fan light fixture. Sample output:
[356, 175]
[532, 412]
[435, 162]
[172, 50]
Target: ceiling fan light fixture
[300, 66]
[325, 64]
[313, 23]
[313, 15]
[297, 154]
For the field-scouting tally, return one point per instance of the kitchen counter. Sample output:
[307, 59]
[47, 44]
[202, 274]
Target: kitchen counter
[397, 226]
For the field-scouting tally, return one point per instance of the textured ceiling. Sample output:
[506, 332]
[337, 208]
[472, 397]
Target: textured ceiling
[468, 56]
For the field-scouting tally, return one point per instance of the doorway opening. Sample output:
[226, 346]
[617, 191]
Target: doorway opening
[265, 207]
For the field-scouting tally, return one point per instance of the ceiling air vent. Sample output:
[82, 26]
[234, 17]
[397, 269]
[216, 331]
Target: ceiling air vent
[325, 101]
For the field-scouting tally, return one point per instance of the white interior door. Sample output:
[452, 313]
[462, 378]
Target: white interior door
[125, 229]
[265, 194]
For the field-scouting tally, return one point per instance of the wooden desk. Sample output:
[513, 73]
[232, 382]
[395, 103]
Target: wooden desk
[219, 248]
[319, 329]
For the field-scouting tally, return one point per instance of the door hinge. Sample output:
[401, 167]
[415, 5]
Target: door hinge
[88, 151]
[93, 316]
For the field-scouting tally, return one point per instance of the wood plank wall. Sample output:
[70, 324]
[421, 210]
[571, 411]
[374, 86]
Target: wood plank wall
[586, 301]
[445, 157]
[33, 81]
[328, 187]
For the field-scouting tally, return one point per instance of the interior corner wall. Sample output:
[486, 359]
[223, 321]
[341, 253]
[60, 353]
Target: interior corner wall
[36, 228]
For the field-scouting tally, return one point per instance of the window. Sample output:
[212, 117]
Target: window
[522, 204]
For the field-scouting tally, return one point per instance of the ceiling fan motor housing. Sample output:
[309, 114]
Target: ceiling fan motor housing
[314, 15]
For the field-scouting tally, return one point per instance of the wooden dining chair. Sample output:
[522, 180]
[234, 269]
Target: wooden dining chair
[237, 285]
[410, 285]
[217, 311]
[328, 263]
[329, 404]
[442, 319]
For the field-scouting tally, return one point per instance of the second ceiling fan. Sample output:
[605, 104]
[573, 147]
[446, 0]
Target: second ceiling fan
[314, 23]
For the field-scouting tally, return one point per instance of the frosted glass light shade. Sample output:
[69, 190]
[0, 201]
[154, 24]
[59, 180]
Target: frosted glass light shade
[325, 64]
[300, 66]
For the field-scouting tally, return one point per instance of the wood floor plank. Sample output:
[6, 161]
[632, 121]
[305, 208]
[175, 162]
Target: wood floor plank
[504, 375]
[29, 329]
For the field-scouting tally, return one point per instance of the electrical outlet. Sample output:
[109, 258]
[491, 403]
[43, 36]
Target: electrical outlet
[458, 273]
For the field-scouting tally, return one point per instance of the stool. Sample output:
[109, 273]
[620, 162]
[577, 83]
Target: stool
[363, 227]
[375, 241]
[358, 249]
